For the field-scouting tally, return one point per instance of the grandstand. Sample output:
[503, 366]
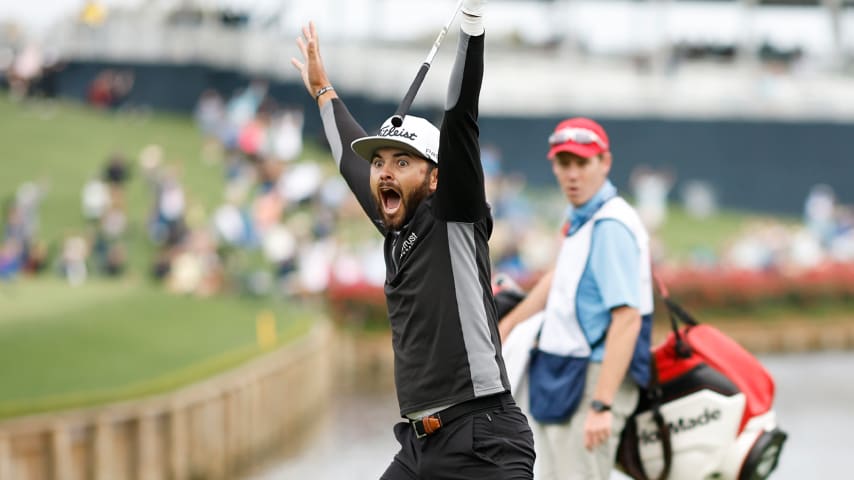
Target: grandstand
[722, 59]
[705, 87]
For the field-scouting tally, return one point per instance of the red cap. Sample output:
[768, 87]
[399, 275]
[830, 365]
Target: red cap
[580, 136]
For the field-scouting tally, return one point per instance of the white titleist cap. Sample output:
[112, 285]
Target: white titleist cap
[415, 134]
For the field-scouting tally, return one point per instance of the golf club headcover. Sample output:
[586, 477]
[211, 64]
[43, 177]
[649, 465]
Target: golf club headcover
[472, 21]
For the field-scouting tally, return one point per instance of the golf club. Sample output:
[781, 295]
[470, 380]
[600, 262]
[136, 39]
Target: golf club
[406, 103]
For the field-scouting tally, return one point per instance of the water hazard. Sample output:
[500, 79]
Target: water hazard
[814, 404]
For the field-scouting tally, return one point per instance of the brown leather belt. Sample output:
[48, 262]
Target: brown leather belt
[430, 424]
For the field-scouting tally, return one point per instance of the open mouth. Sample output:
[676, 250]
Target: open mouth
[390, 199]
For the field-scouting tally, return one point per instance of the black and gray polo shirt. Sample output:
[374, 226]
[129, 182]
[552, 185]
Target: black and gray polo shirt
[443, 319]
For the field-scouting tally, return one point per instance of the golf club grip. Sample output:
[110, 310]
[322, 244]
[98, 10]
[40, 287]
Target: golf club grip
[403, 109]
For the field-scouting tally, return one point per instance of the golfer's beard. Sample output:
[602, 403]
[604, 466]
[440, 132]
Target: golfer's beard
[408, 202]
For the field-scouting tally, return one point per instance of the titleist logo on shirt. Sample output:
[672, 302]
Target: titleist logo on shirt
[397, 132]
[408, 244]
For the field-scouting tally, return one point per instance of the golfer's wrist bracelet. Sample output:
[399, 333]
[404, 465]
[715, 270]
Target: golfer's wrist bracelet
[322, 91]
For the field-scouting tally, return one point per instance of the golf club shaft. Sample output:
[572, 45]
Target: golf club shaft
[406, 103]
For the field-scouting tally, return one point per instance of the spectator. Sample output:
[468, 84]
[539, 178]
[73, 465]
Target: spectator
[167, 219]
[37, 259]
[819, 213]
[25, 71]
[211, 119]
[95, 199]
[650, 188]
[286, 134]
[699, 199]
[72, 265]
[110, 88]
[116, 175]
[11, 258]
[195, 266]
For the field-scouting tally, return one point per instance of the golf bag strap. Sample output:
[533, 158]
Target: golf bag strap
[628, 453]
[634, 467]
[655, 394]
[677, 315]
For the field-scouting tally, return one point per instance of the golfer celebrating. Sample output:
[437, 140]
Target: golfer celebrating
[460, 420]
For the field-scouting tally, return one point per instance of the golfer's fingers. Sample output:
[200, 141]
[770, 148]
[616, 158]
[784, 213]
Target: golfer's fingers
[313, 41]
[302, 47]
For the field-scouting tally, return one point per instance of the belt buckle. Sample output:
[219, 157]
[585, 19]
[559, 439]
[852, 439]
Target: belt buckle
[429, 425]
[418, 434]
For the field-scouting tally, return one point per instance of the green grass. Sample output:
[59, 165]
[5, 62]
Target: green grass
[64, 346]
[684, 235]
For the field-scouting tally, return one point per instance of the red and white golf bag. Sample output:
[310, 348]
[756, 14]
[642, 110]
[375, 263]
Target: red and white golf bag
[707, 413]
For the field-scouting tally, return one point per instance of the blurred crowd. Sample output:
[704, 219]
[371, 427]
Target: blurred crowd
[29, 70]
[286, 224]
[281, 223]
[826, 235]
[268, 232]
[21, 251]
[273, 223]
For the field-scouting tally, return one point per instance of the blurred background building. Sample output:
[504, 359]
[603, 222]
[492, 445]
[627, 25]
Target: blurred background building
[690, 58]
[734, 93]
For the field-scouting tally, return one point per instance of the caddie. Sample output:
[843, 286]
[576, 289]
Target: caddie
[588, 320]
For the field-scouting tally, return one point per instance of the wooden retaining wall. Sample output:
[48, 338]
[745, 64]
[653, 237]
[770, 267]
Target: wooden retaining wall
[239, 421]
[212, 430]
[794, 335]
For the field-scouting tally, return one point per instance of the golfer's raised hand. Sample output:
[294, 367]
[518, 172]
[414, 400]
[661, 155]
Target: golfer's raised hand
[311, 67]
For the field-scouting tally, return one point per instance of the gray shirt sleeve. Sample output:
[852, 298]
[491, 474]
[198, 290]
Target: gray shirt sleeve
[341, 129]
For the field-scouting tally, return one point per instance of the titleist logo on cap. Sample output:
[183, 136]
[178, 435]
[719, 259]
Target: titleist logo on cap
[397, 132]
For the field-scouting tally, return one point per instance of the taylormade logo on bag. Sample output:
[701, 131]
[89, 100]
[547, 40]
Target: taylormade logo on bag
[681, 424]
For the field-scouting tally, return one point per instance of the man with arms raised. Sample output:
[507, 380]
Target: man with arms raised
[460, 420]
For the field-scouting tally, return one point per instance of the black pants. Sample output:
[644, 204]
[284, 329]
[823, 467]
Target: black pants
[494, 444]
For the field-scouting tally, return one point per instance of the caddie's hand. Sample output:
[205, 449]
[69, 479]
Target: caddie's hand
[504, 329]
[311, 67]
[597, 429]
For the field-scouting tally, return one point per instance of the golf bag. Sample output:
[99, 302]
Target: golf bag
[707, 413]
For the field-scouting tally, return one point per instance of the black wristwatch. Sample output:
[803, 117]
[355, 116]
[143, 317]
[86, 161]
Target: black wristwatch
[599, 406]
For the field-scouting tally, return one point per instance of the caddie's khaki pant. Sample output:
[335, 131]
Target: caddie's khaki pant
[560, 447]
